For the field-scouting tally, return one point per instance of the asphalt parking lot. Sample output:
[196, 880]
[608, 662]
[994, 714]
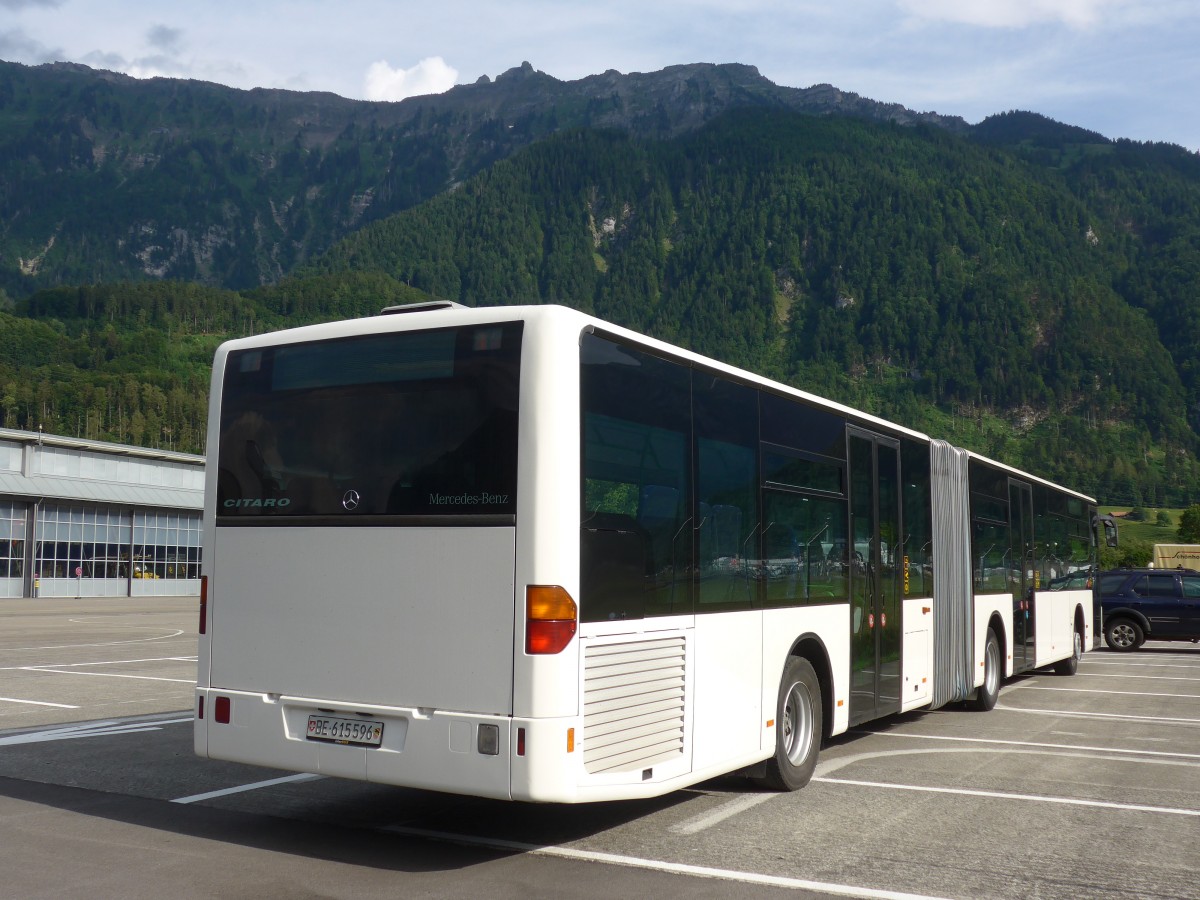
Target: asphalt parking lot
[1084, 786]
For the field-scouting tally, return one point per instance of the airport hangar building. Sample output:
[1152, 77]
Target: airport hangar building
[82, 518]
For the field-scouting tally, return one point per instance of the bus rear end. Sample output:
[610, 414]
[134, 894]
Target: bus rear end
[362, 610]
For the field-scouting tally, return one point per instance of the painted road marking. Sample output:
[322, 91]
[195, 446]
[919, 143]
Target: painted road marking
[104, 662]
[1180, 663]
[721, 813]
[59, 671]
[1151, 677]
[966, 740]
[1001, 795]
[1068, 714]
[38, 703]
[242, 788]
[1037, 687]
[88, 730]
[840, 890]
[161, 637]
[65, 669]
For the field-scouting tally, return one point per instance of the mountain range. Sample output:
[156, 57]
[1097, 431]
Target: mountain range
[1020, 286]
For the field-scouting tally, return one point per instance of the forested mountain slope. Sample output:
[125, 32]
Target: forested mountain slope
[894, 268]
[1022, 287]
[106, 177]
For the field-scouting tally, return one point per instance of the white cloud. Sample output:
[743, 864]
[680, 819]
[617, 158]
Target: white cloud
[17, 46]
[430, 76]
[1013, 13]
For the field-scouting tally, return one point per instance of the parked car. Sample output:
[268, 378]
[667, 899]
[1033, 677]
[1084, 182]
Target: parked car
[1149, 604]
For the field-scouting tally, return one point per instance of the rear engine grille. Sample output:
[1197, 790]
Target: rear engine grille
[633, 699]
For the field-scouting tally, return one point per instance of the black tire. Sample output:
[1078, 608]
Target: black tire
[798, 728]
[993, 673]
[1123, 635]
[1070, 665]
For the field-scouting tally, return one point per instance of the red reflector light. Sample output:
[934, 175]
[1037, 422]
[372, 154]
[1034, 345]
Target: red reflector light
[200, 709]
[520, 742]
[550, 619]
[203, 604]
[548, 637]
[221, 710]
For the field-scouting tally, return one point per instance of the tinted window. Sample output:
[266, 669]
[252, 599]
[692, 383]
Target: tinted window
[1111, 584]
[405, 424]
[806, 558]
[726, 428]
[803, 470]
[987, 481]
[1157, 586]
[792, 423]
[636, 530]
[918, 527]
[991, 563]
[1063, 539]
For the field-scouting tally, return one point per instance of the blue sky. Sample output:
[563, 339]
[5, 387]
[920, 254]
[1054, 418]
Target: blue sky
[1124, 68]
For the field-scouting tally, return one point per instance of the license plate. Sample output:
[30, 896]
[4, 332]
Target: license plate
[345, 731]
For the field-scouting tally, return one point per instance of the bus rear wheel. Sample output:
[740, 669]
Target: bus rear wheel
[1070, 665]
[798, 728]
[989, 691]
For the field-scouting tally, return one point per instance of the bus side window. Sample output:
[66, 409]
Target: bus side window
[614, 558]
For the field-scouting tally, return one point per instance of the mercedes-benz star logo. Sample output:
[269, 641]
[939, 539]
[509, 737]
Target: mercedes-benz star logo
[350, 500]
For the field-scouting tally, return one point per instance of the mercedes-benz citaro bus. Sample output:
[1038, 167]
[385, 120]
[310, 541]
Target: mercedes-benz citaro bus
[521, 553]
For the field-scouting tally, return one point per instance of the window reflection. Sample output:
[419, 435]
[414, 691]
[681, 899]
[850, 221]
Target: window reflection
[806, 557]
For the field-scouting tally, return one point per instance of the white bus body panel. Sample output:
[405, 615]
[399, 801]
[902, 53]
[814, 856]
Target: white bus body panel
[782, 629]
[1054, 623]
[421, 748]
[986, 606]
[432, 628]
[727, 714]
[427, 651]
[548, 500]
[728, 657]
[917, 654]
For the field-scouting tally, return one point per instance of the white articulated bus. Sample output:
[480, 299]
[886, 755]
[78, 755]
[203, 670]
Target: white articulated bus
[521, 553]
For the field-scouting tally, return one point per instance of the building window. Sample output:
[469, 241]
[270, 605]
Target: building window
[82, 542]
[166, 545]
[12, 540]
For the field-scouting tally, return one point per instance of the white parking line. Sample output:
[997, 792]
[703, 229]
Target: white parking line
[1037, 687]
[57, 671]
[840, 890]
[103, 662]
[1150, 677]
[720, 814]
[66, 669]
[998, 741]
[1180, 663]
[37, 703]
[102, 728]
[161, 637]
[242, 788]
[1068, 714]
[1001, 795]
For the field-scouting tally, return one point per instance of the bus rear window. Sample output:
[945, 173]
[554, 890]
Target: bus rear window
[408, 424]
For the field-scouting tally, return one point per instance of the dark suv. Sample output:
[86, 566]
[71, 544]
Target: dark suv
[1149, 604]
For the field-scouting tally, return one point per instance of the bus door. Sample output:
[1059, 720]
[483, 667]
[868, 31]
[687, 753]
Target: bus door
[1021, 572]
[874, 562]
